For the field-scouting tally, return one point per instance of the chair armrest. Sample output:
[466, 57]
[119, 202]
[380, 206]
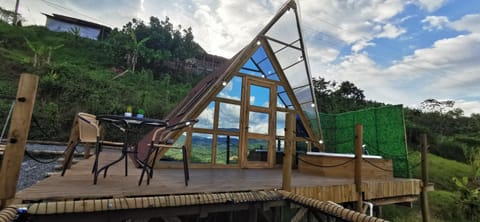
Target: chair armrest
[166, 146]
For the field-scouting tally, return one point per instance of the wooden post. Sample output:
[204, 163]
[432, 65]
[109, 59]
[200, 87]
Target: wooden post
[17, 137]
[15, 16]
[288, 151]
[228, 150]
[358, 165]
[423, 194]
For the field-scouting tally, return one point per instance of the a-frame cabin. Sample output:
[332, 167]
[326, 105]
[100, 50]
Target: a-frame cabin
[242, 106]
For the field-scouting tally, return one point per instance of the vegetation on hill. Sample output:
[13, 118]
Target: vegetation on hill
[77, 74]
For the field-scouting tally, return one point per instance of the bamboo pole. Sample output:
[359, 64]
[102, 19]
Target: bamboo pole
[423, 193]
[17, 137]
[288, 151]
[358, 165]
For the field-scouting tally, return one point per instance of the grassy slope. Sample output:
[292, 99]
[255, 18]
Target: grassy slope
[442, 201]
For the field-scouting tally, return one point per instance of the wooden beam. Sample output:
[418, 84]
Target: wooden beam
[394, 200]
[423, 194]
[299, 215]
[358, 165]
[288, 152]
[17, 136]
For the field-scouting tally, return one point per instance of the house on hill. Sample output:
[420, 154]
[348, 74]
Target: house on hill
[86, 29]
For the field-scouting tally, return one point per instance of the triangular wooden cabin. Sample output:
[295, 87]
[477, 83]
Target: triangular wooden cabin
[243, 104]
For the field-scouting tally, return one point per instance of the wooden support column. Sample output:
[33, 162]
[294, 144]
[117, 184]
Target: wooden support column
[288, 151]
[423, 193]
[17, 137]
[299, 215]
[358, 165]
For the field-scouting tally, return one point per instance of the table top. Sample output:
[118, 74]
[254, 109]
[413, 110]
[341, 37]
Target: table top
[133, 120]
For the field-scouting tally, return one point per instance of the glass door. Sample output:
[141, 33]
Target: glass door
[260, 119]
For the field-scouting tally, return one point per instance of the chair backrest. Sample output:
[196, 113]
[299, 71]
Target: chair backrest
[88, 127]
[164, 134]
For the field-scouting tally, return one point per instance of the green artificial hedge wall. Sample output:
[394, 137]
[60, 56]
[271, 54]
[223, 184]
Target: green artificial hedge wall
[383, 134]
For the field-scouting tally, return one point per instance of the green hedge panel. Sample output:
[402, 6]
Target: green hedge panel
[383, 134]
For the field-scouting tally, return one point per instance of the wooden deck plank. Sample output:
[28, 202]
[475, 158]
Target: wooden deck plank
[78, 183]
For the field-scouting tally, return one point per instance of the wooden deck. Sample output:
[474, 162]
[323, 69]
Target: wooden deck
[77, 184]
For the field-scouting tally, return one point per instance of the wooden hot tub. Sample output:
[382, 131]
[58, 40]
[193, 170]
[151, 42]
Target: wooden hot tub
[343, 165]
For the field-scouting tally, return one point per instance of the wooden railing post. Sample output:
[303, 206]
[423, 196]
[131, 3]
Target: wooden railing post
[423, 194]
[358, 165]
[17, 137]
[288, 151]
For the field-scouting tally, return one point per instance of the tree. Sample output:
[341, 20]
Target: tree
[350, 91]
[336, 98]
[433, 105]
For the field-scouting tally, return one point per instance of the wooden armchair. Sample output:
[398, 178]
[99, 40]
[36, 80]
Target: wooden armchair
[85, 130]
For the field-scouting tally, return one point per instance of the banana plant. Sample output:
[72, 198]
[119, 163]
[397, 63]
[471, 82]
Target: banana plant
[41, 53]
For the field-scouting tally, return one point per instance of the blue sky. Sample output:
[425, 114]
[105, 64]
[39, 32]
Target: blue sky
[397, 51]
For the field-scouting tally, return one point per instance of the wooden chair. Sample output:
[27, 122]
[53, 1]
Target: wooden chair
[161, 141]
[85, 130]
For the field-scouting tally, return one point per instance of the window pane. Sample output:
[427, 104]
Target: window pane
[257, 150]
[229, 117]
[258, 123]
[259, 96]
[205, 120]
[175, 154]
[201, 148]
[233, 89]
[227, 150]
[280, 129]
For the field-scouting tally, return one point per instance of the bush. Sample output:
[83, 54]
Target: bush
[450, 149]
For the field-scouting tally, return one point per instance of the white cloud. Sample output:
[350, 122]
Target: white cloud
[431, 5]
[322, 54]
[391, 31]
[358, 46]
[448, 69]
[468, 22]
[435, 22]
[468, 107]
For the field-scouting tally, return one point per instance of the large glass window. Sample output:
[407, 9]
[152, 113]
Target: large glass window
[259, 96]
[229, 117]
[258, 122]
[227, 150]
[175, 154]
[201, 148]
[257, 150]
[205, 120]
[232, 90]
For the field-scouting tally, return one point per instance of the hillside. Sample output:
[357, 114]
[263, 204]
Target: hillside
[78, 74]
[445, 202]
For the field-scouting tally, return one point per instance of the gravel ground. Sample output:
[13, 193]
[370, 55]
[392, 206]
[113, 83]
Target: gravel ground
[32, 171]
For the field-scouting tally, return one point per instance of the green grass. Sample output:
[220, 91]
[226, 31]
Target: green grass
[441, 171]
[442, 201]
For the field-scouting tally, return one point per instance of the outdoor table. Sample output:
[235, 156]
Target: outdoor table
[131, 127]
